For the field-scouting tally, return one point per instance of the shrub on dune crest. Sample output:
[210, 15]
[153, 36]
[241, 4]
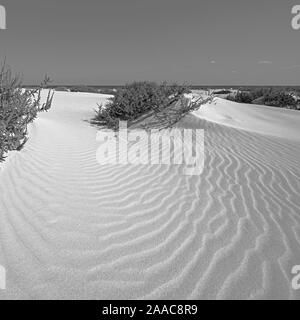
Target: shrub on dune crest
[267, 96]
[241, 97]
[222, 92]
[18, 108]
[280, 99]
[141, 98]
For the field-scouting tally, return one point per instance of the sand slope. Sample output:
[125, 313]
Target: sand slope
[71, 228]
[255, 118]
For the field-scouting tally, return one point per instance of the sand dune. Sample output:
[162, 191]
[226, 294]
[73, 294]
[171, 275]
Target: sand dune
[255, 118]
[71, 228]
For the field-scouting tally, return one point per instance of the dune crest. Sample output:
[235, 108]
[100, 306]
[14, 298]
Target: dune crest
[255, 118]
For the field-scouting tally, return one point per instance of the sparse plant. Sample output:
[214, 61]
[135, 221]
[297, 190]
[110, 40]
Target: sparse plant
[241, 97]
[222, 92]
[275, 97]
[281, 99]
[142, 99]
[18, 108]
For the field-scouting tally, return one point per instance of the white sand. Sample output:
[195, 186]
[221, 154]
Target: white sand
[255, 118]
[71, 228]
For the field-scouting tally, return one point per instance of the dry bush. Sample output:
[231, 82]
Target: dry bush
[18, 108]
[281, 98]
[144, 99]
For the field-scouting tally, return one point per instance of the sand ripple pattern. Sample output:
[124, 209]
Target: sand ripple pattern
[71, 228]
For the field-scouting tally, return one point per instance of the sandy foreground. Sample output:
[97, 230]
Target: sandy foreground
[71, 228]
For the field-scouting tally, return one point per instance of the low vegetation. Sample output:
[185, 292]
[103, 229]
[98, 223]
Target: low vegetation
[267, 96]
[222, 92]
[18, 108]
[145, 99]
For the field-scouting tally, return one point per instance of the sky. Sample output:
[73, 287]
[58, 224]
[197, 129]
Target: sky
[113, 42]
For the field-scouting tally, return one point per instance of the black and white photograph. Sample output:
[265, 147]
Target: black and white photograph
[149, 151]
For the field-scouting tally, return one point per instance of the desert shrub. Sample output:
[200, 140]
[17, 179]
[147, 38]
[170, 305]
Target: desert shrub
[230, 97]
[222, 92]
[281, 99]
[137, 99]
[261, 92]
[242, 97]
[249, 95]
[259, 100]
[18, 108]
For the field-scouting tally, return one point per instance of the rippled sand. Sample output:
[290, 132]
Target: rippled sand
[71, 228]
